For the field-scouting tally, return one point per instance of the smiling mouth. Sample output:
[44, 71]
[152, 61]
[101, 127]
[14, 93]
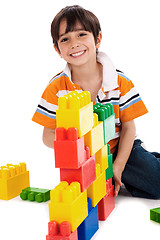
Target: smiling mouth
[78, 54]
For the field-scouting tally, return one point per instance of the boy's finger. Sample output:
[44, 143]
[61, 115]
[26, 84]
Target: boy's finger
[117, 188]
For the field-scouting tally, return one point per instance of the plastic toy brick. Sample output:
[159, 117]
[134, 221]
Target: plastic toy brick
[107, 204]
[90, 225]
[60, 231]
[155, 215]
[85, 175]
[69, 149]
[68, 204]
[105, 114]
[95, 138]
[102, 158]
[75, 110]
[35, 194]
[109, 170]
[109, 184]
[13, 178]
[97, 190]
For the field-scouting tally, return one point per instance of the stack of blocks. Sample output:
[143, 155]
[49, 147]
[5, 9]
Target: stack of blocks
[85, 193]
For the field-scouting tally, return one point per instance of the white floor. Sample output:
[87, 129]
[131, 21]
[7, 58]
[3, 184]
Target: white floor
[129, 220]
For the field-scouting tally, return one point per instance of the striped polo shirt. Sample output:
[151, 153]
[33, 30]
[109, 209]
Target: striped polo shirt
[116, 89]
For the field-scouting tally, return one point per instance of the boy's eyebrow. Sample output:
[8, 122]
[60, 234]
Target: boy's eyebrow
[76, 30]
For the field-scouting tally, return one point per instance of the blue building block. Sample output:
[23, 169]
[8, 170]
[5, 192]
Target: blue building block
[90, 225]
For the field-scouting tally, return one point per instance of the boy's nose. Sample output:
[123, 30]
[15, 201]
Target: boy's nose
[75, 44]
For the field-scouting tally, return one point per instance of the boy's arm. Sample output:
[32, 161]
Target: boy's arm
[49, 136]
[124, 149]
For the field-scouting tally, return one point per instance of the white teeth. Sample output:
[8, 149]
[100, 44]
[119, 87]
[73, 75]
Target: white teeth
[77, 54]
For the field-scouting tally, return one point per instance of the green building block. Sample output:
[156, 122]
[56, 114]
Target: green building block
[106, 115]
[35, 194]
[109, 170]
[155, 215]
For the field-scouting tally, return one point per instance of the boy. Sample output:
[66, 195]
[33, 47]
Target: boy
[77, 37]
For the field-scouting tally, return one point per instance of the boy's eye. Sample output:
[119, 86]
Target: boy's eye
[64, 40]
[82, 34]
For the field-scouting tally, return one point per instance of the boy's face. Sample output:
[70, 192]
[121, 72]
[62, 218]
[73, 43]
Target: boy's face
[77, 47]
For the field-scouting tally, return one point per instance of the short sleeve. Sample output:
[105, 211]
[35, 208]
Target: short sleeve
[131, 105]
[45, 113]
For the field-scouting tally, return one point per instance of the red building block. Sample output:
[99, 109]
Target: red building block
[69, 149]
[60, 232]
[107, 204]
[85, 175]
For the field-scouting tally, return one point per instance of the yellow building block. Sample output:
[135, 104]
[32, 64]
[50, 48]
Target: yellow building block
[68, 204]
[97, 190]
[101, 158]
[75, 110]
[13, 178]
[94, 139]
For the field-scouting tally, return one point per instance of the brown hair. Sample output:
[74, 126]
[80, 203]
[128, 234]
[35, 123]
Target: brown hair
[72, 14]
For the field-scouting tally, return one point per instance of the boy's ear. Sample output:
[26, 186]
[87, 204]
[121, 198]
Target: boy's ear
[99, 39]
[57, 50]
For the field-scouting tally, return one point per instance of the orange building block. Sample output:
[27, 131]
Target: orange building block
[68, 204]
[85, 175]
[13, 178]
[97, 190]
[94, 139]
[69, 149]
[60, 231]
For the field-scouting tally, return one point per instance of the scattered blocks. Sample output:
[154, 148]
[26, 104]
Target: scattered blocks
[13, 178]
[75, 110]
[68, 204]
[85, 175]
[94, 139]
[105, 114]
[90, 225]
[60, 231]
[35, 194]
[97, 190]
[155, 215]
[73, 153]
[107, 204]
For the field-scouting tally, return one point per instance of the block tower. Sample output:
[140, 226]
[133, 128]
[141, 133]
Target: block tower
[85, 193]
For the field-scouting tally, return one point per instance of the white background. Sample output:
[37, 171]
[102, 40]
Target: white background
[28, 61]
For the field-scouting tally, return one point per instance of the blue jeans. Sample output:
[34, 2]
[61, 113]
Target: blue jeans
[141, 175]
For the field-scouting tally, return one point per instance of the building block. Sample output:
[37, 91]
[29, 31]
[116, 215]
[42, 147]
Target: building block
[102, 158]
[97, 190]
[105, 114]
[60, 231]
[35, 194]
[155, 215]
[73, 153]
[94, 139]
[85, 175]
[75, 110]
[68, 204]
[107, 204]
[90, 225]
[13, 178]
[109, 170]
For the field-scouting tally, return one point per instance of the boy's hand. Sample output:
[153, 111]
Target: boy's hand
[117, 174]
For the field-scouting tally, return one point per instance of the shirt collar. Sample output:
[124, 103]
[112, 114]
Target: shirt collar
[110, 76]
